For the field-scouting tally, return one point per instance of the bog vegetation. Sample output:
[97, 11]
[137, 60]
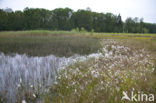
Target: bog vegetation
[115, 62]
[103, 79]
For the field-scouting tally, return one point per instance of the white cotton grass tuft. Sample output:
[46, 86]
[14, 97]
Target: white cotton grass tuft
[34, 95]
[23, 101]
[31, 86]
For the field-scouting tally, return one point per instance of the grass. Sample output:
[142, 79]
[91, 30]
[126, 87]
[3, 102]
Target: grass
[66, 43]
[146, 41]
[42, 43]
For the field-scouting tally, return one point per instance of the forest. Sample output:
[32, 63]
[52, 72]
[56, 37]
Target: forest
[68, 19]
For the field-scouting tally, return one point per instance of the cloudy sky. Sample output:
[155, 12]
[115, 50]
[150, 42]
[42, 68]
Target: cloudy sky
[127, 8]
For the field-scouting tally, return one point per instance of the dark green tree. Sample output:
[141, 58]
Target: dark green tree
[82, 18]
[62, 19]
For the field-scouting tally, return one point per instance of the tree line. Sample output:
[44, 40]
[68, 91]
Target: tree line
[67, 19]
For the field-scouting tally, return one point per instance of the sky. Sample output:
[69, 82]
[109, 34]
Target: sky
[127, 8]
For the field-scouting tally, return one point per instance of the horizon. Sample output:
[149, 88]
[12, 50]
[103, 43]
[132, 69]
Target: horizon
[130, 8]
